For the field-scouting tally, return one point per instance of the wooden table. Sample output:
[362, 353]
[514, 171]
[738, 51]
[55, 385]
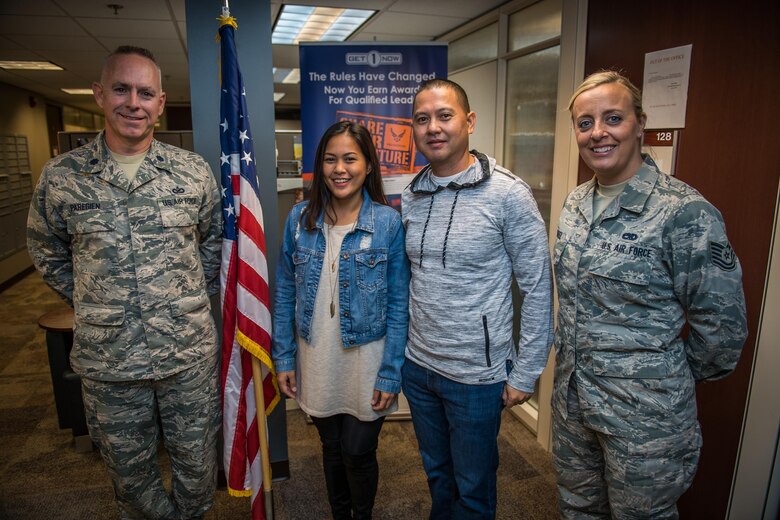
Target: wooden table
[66, 384]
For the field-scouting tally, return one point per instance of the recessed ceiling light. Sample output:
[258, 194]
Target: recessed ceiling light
[77, 91]
[298, 23]
[29, 65]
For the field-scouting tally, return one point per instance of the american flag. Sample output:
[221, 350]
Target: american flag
[246, 316]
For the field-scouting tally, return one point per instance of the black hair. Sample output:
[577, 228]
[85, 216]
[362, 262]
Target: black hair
[319, 200]
[463, 99]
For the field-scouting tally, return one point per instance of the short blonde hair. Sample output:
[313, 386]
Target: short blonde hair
[604, 77]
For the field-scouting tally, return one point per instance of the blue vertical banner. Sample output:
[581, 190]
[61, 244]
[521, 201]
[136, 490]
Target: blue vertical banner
[372, 84]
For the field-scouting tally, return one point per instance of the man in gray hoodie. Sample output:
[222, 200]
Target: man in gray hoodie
[470, 226]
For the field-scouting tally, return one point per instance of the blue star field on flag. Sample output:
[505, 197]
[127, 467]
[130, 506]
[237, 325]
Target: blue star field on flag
[235, 135]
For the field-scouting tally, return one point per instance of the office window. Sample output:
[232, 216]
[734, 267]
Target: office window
[479, 46]
[522, 67]
[77, 120]
[529, 133]
[537, 23]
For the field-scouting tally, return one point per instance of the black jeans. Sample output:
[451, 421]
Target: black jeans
[349, 460]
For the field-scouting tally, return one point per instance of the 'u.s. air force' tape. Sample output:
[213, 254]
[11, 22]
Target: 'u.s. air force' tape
[723, 256]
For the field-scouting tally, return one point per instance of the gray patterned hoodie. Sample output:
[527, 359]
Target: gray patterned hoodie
[465, 240]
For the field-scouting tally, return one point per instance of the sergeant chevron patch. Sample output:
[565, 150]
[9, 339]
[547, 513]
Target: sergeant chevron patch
[723, 256]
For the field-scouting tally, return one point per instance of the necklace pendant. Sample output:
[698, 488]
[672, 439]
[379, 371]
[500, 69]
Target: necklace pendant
[332, 309]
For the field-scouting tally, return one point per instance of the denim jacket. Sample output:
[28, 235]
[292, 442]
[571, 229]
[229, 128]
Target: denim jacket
[373, 287]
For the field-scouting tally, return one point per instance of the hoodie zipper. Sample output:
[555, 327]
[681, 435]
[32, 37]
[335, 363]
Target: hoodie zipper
[487, 339]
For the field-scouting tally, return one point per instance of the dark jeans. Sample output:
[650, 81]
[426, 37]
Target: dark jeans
[457, 429]
[349, 460]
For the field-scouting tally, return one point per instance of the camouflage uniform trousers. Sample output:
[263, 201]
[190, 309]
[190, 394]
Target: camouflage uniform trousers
[606, 476]
[122, 421]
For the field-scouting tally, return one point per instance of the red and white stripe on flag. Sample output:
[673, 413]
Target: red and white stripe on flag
[246, 317]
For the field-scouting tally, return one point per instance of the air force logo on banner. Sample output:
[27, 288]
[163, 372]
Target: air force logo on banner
[374, 58]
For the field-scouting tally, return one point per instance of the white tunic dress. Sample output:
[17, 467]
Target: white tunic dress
[331, 379]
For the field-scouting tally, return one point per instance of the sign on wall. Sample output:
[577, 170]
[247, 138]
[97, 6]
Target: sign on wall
[372, 84]
[665, 87]
[661, 145]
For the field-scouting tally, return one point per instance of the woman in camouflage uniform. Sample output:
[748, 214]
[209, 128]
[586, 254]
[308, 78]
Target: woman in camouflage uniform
[638, 255]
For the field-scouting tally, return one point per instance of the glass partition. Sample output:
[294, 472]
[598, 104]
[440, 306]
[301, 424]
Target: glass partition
[479, 46]
[537, 23]
[529, 133]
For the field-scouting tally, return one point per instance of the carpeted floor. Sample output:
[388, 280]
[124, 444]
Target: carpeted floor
[42, 476]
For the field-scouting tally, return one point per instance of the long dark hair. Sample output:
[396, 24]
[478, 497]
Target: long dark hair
[319, 199]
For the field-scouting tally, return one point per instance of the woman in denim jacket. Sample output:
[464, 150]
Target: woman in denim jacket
[341, 313]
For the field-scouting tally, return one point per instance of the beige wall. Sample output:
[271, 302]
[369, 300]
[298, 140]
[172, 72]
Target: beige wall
[17, 117]
[477, 82]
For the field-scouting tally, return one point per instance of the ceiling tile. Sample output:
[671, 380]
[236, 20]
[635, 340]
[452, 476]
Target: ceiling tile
[36, 8]
[59, 43]
[7, 44]
[422, 25]
[178, 9]
[54, 79]
[129, 29]
[156, 45]
[41, 25]
[467, 10]
[86, 63]
[21, 55]
[183, 31]
[382, 37]
[346, 4]
[134, 9]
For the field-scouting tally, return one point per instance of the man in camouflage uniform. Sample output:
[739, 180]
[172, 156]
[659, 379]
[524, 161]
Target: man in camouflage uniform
[630, 272]
[128, 231]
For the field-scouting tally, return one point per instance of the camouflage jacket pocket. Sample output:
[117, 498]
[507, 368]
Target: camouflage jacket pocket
[97, 324]
[187, 303]
[94, 239]
[638, 365]
[621, 269]
[91, 222]
[107, 315]
[178, 216]
[85, 224]
[192, 325]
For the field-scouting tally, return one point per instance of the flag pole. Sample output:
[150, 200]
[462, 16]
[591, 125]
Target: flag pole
[257, 380]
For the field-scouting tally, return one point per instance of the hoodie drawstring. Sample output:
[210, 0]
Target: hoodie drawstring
[447, 234]
[425, 228]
